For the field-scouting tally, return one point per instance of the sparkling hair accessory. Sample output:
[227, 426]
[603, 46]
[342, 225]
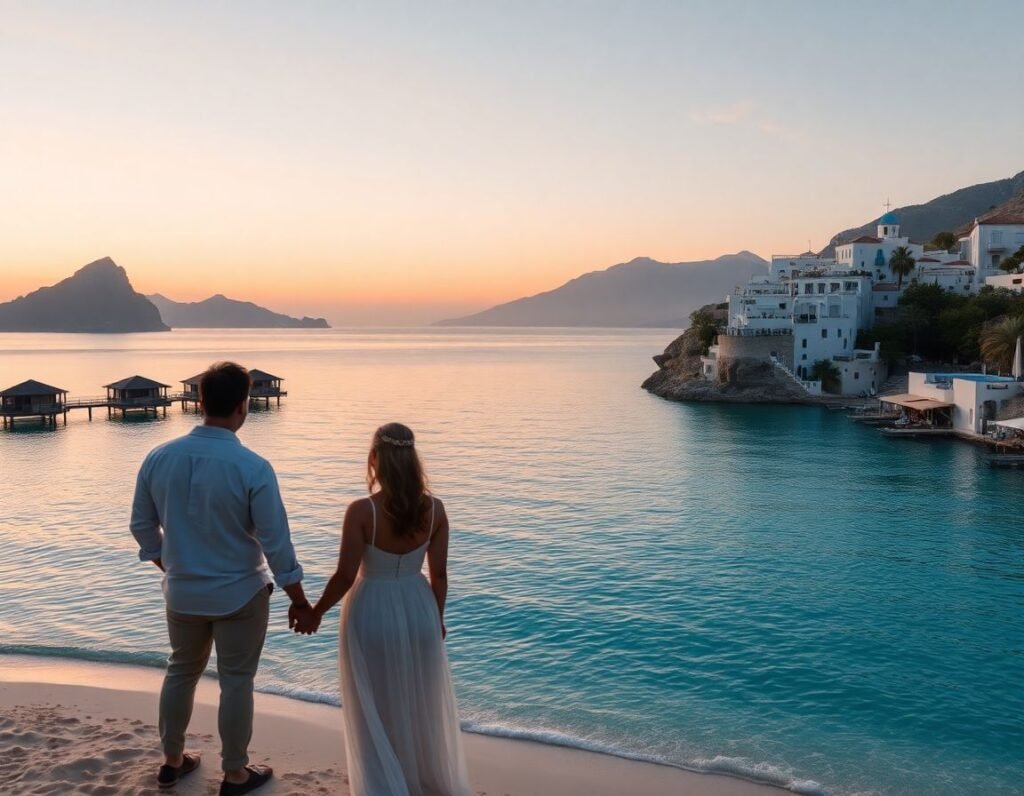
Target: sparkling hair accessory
[398, 443]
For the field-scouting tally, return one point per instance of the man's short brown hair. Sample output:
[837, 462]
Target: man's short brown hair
[223, 387]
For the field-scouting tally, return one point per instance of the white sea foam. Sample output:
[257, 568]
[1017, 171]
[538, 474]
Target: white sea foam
[762, 773]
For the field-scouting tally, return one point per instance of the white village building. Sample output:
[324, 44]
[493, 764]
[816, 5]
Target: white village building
[974, 398]
[810, 308]
[989, 242]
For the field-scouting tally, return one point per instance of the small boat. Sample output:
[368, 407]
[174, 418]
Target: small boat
[1008, 460]
[911, 431]
[874, 418]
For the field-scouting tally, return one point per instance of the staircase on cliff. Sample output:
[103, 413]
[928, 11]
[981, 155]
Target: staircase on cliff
[809, 387]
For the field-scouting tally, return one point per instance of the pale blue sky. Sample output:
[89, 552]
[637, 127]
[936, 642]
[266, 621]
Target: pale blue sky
[433, 157]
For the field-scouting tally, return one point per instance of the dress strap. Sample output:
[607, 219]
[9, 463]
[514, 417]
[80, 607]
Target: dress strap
[373, 510]
[433, 506]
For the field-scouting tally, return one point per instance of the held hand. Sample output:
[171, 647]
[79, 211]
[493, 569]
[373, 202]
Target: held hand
[303, 619]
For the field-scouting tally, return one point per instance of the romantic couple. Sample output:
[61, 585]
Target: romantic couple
[208, 512]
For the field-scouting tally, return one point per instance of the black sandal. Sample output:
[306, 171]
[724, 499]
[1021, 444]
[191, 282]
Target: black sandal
[169, 776]
[258, 777]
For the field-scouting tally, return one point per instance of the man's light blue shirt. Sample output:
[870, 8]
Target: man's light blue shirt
[222, 520]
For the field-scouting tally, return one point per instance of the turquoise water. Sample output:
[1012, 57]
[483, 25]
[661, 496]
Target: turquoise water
[772, 591]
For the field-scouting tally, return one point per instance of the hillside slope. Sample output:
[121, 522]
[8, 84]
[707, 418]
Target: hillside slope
[945, 213]
[640, 293]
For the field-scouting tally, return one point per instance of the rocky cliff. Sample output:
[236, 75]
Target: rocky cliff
[741, 380]
[98, 298]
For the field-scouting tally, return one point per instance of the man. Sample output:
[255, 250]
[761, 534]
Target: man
[222, 522]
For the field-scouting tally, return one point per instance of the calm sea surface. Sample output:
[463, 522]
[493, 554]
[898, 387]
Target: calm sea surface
[771, 591]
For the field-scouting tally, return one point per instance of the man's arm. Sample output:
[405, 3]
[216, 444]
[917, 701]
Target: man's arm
[145, 522]
[270, 522]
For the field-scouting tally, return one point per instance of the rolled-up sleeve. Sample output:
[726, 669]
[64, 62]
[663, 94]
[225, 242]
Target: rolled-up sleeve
[145, 522]
[270, 522]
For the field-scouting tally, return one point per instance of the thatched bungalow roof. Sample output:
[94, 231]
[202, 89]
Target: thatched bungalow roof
[136, 383]
[262, 375]
[31, 388]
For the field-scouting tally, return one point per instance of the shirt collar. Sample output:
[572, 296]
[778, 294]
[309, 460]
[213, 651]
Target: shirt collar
[213, 432]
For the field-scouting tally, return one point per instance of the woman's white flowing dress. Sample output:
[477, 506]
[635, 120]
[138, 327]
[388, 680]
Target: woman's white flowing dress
[402, 732]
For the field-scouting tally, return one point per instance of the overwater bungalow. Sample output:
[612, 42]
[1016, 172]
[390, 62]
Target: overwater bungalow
[32, 399]
[190, 391]
[137, 393]
[265, 386]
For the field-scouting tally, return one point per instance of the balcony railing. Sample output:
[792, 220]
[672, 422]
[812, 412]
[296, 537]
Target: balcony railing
[734, 331]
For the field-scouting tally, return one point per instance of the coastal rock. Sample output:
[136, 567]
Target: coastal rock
[97, 298]
[741, 380]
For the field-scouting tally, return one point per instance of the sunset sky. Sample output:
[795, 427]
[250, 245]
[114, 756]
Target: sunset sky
[399, 162]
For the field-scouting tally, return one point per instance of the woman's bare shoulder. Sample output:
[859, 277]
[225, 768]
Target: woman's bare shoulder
[359, 509]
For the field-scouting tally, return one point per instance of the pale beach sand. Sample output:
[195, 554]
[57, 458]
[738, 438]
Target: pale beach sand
[71, 727]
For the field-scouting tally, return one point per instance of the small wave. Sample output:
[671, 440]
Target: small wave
[150, 660]
[760, 773]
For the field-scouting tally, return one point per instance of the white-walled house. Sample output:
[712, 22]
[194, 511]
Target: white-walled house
[1014, 282]
[976, 398]
[954, 275]
[989, 242]
[862, 371]
[788, 266]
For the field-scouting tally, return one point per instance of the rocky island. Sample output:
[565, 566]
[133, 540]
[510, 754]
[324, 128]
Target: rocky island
[98, 298]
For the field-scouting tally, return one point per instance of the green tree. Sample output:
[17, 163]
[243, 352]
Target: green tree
[958, 329]
[705, 326]
[999, 341]
[825, 371]
[1013, 263]
[901, 263]
[944, 241]
[916, 320]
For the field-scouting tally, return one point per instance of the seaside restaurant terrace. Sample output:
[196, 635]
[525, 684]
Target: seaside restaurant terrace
[32, 399]
[918, 411]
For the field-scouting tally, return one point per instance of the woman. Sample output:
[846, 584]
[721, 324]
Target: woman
[401, 721]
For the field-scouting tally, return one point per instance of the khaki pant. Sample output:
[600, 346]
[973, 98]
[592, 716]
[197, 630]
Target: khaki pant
[239, 639]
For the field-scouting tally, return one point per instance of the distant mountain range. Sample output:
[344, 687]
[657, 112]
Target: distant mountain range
[947, 213]
[640, 293]
[97, 298]
[644, 292]
[221, 312]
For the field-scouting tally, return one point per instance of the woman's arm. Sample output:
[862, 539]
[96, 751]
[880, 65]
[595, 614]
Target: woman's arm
[437, 562]
[353, 545]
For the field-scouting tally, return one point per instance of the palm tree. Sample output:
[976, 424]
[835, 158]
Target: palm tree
[825, 371]
[901, 263]
[999, 341]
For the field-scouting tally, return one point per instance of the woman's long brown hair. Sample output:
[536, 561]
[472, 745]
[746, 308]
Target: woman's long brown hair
[400, 476]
